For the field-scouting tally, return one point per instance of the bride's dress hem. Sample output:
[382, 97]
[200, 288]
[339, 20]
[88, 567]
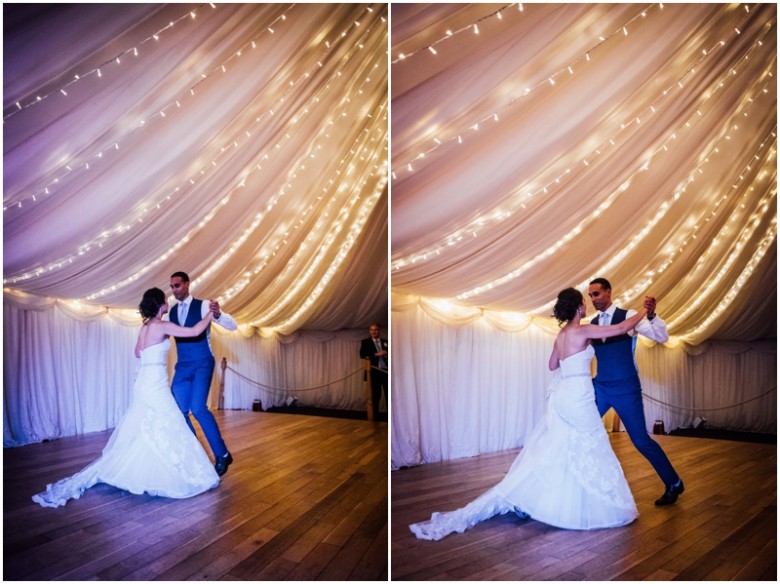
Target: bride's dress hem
[151, 451]
[566, 475]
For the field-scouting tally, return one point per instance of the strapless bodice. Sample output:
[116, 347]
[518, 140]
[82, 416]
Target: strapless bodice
[156, 354]
[578, 364]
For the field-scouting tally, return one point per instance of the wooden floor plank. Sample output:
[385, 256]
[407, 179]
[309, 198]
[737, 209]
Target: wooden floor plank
[301, 492]
[722, 527]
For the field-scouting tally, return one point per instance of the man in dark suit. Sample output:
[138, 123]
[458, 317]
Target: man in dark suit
[374, 349]
[617, 380]
[195, 365]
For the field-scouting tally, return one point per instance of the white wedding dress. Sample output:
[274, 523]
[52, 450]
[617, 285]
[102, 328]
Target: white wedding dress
[566, 474]
[152, 450]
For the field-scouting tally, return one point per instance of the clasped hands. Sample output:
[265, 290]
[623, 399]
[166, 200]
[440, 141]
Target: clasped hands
[650, 307]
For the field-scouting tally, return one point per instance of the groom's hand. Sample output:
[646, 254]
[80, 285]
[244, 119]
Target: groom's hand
[214, 308]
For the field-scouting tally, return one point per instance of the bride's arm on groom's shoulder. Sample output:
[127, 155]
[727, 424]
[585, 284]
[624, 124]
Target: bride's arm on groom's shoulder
[174, 330]
[594, 331]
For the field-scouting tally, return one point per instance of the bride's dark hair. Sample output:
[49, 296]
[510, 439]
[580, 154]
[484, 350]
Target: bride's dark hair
[153, 299]
[567, 305]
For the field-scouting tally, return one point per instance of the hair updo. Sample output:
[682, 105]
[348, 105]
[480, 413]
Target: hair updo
[567, 305]
[153, 299]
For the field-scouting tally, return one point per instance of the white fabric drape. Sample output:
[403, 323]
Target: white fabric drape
[533, 156]
[245, 144]
[538, 146]
[318, 369]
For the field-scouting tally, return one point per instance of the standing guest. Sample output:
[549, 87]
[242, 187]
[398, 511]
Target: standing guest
[374, 349]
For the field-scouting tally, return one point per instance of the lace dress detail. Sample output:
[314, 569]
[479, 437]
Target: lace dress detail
[566, 474]
[152, 450]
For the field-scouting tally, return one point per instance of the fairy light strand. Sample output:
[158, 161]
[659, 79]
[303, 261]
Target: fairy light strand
[188, 16]
[739, 283]
[274, 246]
[518, 200]
[618, 257]
[152, 206]
[547, 79]
[234, 247]
[322, 212]
[594, 215]
[473, 27]
[741, 242]
[72, 166]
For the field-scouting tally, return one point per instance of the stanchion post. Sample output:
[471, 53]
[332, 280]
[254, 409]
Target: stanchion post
[369, 399]
[223, 366]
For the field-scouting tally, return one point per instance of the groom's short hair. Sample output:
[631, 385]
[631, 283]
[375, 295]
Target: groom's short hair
[184, 277]
[603, 282]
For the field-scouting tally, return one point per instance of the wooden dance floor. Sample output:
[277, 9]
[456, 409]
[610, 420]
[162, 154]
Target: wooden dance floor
[724, 527]
[305, 499]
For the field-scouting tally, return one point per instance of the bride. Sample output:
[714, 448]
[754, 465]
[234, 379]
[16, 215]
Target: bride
[566, 474]
[152, 450]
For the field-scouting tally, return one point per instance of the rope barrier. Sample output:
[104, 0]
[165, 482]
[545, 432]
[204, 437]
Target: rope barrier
[252, 381]
[708, 409]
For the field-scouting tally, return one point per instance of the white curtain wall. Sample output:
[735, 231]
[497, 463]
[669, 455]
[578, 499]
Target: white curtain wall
[539, 146]
[69, 369]
[245, 144]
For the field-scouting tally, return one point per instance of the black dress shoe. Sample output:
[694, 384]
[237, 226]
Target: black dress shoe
[670, 495]
[222, 464]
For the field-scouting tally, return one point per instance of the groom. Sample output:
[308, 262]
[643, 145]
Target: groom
[617, 380]
[195, 365]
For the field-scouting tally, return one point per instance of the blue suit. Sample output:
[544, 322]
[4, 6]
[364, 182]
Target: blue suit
[192, 378]
[617, 385]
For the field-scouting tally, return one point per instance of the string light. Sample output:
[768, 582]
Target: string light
[615, 261]
[550, 81]
[592, 217]
[520, 196]
[122, 228]
[142, 123]
[70, 168]
[740, 282]
[712, 282]
[473, 27]
[96, 70]
[273, 247]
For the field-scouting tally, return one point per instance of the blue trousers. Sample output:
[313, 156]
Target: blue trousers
[191, 384]
[626, 398]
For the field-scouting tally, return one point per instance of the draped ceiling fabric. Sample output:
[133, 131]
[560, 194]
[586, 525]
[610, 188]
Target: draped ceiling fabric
[245, 144]
[538, 146]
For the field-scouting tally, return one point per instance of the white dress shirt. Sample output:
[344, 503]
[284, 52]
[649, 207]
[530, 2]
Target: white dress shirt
[654, 330]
